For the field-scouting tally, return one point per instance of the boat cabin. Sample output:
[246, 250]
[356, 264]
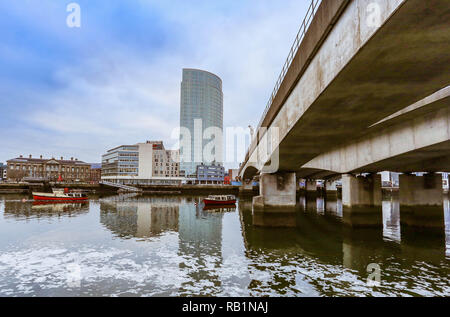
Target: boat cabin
[222, 197]
[76, 195]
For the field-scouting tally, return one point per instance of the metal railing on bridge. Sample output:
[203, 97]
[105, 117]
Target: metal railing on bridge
[310, 14]
[298, 40]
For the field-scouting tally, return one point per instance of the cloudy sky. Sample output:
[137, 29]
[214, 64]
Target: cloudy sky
[76, 92]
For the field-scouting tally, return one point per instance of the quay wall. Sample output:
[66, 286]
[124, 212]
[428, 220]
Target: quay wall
[7, 188]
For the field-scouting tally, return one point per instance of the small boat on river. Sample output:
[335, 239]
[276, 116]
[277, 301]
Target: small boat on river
[220, 200]
[60, 195]
[220, 208]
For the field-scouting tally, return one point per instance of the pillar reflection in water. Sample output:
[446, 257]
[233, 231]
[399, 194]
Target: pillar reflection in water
[275, 218]
[447, 225]
[333, 207]
[423, 217]
[328, 241]
[391, 220]
[320, 205]
[363, 216]
[302, 203]
[361, 246]
[311, 204]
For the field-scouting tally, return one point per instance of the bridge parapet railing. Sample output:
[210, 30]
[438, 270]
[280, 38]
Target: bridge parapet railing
[310, 14]
[121, 186]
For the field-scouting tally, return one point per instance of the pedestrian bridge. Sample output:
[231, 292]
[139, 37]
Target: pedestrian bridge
[362, 91]
[126, 188]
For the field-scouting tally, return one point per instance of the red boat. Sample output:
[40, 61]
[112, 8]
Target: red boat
[220, 208]
[220, 200]
[60, 195]
[39, 203]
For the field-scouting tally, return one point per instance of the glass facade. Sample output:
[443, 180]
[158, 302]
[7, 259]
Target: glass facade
[121, 161]
[211, 173]
[201, 98]
[141, 164]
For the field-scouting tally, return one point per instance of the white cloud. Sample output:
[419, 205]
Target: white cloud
[121, 94]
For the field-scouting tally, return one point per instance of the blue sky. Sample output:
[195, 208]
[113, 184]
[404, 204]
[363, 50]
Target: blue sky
[76, 92]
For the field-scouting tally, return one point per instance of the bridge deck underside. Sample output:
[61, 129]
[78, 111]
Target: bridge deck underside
[418, 140]
[406, 60]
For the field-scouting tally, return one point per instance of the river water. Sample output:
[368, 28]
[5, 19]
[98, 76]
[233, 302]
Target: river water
[170, 246]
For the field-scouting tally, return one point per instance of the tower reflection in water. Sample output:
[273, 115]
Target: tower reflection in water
[200, 246]
[140, 217]
[199, 233]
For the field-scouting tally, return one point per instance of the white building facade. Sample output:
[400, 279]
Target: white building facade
[142, 164]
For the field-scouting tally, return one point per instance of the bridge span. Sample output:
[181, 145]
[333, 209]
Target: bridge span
[362, 91]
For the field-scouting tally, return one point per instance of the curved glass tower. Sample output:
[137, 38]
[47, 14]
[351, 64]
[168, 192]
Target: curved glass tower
[201, 108]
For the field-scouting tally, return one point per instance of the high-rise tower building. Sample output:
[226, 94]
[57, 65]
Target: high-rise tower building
[201, 105]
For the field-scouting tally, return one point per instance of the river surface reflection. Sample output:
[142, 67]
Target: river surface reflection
[172, 246]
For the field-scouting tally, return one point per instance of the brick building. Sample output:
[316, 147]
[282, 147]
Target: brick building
[48, 169]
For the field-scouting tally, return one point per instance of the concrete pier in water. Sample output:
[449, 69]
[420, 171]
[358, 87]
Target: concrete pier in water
[421, 201]
[277, 191]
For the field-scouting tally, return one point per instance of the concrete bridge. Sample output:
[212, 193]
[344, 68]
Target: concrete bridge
[364, 90]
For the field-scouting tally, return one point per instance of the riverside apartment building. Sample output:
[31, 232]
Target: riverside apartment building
[142, 164]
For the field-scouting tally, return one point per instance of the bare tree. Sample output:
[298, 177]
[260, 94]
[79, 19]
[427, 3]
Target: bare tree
[16, 175]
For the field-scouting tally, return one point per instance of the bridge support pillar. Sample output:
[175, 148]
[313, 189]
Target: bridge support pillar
[311, 188]
[361, 200]
[331, 189]
[361, 191]
[248, 185]
[276, 191]
[246, 188]
[421, 201]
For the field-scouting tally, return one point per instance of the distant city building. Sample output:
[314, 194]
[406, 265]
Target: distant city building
[96, 173]
[48, 169]
[3, 170]
[390, 179]
[201, 98]
[445, 183]
[233, 174]
[142, 164]
[210, 174]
